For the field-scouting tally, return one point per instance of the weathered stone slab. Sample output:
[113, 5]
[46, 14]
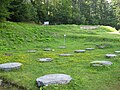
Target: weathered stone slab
[32, 51]
[101, 63]
[45, 59]
[79, 51]
[89, 48]
[53, 79]
[62, 47]
[47, 49]
[10, 66]
[110, 55]
[89, 27]
[100, 46]
[118, 52]
[65, 55]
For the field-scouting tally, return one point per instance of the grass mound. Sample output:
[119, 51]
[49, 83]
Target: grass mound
[108, 29]
[17, 38]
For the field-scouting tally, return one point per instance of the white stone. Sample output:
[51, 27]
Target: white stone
[79, 51]
[47, 49]
[62, 47]
[45, 59]
[53, 79]
[117, 51]
[101, 46]
[89, 48]
[110, 55]
[101, 63]
[65, 55]
[10, 66]
[32, 51]
[89, 27]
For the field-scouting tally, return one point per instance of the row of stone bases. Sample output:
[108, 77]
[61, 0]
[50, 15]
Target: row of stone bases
[56, 78]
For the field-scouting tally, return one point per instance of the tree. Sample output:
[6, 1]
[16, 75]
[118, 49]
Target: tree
[116, 5]
[64, 12]
[4, 4]
[22, 11]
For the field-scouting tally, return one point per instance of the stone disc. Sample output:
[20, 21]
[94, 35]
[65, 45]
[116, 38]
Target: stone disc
[89, 48]
[45, 59]
[117, 51]
[53, 79]
[101, 63]
[62, 47]
[110, 55]
[47, 49]
[31, 51]
[65, 55]
[101, 47]
[79, 51]
[9, 66]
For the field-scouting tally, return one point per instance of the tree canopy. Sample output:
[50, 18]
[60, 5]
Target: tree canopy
[93, 12]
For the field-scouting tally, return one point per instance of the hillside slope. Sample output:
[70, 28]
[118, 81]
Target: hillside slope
[15, 35]
[17, 38]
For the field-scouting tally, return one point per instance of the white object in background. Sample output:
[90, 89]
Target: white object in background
[46, 23]
[64, 39]
[64, 35]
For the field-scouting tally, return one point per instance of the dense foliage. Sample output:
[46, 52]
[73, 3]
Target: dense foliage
[4, 9]
[93, 12]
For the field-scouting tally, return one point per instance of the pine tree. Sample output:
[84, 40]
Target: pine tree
[22, 11]
[4, 4]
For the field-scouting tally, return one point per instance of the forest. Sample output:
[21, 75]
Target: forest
[84, 12]
[81, 42]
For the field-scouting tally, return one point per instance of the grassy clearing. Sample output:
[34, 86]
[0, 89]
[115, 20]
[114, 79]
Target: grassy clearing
[17, 38]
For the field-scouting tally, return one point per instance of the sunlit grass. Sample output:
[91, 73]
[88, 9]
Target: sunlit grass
[85, 77]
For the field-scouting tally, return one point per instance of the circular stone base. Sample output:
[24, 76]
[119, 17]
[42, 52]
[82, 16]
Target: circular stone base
[101, 47]
[31, 51]
[45, 59]
[10, 66]
[79, 51]
[89, 27]
[47, 49]
[117, 52]
[101, 63]
[110, 55]
[65, 55]
[62, 47]
[89, 48]
[53, 79]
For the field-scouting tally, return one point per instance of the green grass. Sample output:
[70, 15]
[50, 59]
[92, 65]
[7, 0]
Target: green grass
[17, 38]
